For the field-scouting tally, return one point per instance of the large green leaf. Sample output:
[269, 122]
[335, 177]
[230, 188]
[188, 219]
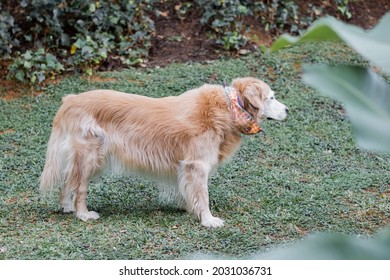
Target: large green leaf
[366, 97]
[374, 45]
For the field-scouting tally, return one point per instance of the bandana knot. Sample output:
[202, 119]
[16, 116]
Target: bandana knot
[242, 119]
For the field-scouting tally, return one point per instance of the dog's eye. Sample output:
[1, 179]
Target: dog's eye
[272, 97]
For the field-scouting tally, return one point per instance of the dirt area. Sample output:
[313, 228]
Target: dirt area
[186, 40]
[180, 40]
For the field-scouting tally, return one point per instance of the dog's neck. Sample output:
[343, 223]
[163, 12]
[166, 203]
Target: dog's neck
[242, 119]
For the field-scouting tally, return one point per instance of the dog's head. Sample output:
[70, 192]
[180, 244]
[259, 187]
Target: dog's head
[259, 100]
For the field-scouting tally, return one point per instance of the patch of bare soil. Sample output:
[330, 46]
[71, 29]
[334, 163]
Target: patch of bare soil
[184, 40]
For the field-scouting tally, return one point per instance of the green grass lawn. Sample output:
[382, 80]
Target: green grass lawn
[305, 175]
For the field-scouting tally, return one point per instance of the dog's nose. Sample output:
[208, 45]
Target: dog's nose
[286, 109]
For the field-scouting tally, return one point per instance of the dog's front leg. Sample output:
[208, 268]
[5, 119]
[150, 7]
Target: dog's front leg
[192, 183]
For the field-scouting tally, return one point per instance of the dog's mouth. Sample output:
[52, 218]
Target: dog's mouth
[269, 118]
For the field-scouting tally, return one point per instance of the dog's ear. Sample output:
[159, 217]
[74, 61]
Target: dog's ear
[250, 92]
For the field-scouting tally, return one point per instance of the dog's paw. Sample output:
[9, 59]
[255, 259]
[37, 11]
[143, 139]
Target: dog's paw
[91, 215]
[212, 222]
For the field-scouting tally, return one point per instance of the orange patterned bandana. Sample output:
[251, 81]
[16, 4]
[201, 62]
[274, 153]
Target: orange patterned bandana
[242, 119]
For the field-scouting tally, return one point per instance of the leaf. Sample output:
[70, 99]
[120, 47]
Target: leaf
[51, 58]
[103, 52]
[79, 43]
[87, 51]
[33, 78]
[374, 45]
[40, 51]
[27, 64]
[27, 55]
[73, 49]
[20, 76]
[113, 20]
[28, 38]
[41, 76]
[92, 7]
[59, 67]
[220, 23]
[366, 97]
[242, 9]
[65, 39]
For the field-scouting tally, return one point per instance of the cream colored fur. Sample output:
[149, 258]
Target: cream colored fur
[177, 140]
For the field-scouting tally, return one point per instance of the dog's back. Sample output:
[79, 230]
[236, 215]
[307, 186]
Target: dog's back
[128, 132]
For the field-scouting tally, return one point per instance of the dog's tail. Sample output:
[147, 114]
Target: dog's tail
[57, 156]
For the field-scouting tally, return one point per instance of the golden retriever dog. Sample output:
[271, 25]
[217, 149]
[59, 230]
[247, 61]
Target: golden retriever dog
[178, 141]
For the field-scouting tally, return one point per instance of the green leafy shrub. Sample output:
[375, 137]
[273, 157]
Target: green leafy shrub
[284, 15]
[80, 34]
[89, 52]
[35, 66]
[227, 20]
[7, 30]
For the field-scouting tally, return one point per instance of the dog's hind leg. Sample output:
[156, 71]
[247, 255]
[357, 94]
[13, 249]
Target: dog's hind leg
[192, 181]
[74, 192]
[88, 159]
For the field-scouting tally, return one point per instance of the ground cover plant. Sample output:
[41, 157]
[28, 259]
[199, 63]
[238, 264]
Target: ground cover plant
[304, 175]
